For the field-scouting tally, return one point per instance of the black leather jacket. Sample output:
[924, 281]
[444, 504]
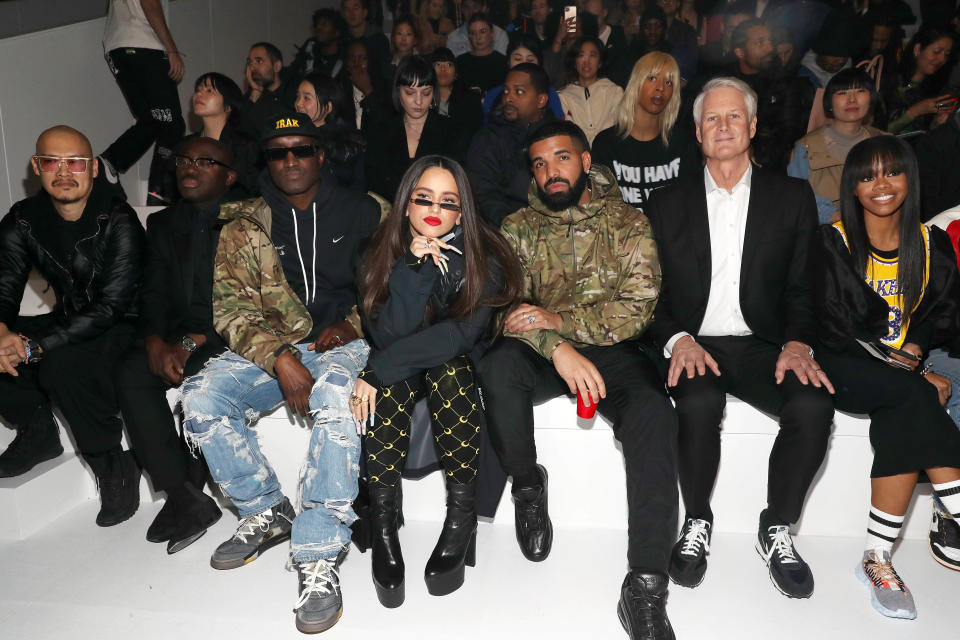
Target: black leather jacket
[95, 291]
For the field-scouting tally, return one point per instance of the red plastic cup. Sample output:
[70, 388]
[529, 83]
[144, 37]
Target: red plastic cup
[585, 410]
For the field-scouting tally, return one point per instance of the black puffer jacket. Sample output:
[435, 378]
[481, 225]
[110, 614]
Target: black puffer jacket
[96, 290]
[499, 173]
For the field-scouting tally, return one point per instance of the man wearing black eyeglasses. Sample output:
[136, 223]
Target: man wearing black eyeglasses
[89, 247]
[178, 338]
[283, 287]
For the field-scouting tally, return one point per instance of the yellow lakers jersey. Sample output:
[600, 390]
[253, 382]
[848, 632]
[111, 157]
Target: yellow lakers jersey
[882, 277]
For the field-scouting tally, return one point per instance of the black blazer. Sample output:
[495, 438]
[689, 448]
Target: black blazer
[775, 295]
[171, 259]
[387, 158]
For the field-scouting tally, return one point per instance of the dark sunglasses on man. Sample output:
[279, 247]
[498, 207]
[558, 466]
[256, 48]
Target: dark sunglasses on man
[276, 154]
[201, 163]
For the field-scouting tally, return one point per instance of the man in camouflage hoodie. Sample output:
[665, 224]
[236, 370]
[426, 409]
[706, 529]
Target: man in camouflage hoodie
[283, 288]
[592, 280]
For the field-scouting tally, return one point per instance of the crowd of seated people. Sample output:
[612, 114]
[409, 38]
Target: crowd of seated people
[648, 205]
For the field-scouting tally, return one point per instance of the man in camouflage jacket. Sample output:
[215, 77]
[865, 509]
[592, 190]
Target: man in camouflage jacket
[592, 281]
[284, 285]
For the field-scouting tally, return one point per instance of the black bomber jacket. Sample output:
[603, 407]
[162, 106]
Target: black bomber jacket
[98, 289]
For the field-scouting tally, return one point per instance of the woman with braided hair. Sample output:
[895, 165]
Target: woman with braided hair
[434, 278]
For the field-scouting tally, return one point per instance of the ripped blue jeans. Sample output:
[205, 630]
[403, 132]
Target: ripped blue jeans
[222, 402]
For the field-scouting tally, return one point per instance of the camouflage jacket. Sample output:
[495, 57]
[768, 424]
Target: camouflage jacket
[596, 265]
[254, 308]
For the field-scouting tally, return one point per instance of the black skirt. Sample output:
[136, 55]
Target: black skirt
[909, 428]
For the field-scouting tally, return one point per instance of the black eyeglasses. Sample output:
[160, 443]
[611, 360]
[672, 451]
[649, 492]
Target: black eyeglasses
[275, 154]
[182, 162]
[446, 206]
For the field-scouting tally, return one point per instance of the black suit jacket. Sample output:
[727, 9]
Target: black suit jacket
[775, 294]
[173, 250]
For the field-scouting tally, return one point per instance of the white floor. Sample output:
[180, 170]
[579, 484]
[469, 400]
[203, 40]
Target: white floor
[76, 580]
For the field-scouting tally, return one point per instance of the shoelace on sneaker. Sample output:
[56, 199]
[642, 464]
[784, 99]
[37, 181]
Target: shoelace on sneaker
[781, 544]
[651, 610]
[249, 525]
[882, 573]
[696, 538]
[319, 577]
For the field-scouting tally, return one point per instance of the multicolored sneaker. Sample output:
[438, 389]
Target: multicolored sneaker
[945, 540]
[887, 591]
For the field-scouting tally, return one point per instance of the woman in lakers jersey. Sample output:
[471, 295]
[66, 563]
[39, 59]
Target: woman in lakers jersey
[881, 276]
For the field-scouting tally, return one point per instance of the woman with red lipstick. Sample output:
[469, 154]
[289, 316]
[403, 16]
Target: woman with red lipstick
[433, 280]
[883, 279]
[818, 157]
[644, 148]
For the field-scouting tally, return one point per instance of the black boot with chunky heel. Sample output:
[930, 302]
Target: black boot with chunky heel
[386, 558]
[457, 545]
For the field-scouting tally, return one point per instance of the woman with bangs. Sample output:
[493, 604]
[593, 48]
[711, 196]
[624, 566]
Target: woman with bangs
[818, 157]
[590, 99]
[219, 104]
[886, 291]
[645, 149]
[413, 130]
[432, 282]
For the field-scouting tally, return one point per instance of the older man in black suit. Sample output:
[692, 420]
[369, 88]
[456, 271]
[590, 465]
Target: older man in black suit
[177, 327]
[735, 316]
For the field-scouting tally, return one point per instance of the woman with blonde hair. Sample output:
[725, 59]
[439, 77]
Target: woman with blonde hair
[644, 148]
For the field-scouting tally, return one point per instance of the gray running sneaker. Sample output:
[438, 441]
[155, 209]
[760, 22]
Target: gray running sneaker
[887, 591]
[255, 534]
[320, 604]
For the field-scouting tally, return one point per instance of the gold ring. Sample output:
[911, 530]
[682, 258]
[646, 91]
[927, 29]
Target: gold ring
[428, 242]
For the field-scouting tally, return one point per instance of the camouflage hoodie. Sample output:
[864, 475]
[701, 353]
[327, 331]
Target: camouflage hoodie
[254, 308]
[596, 265]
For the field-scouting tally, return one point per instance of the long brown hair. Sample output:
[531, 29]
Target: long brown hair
[481, 244]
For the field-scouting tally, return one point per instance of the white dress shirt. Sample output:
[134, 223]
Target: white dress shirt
[727, 217]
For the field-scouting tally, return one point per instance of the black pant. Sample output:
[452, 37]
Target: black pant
[747, 366]
[515, 377]
[79, 378]
[153, 99]
[455, 416]
[150, 423]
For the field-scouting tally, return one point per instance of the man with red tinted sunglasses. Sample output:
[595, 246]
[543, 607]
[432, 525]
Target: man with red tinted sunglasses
[88, 246]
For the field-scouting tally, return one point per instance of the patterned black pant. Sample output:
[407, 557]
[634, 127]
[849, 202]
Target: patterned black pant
[454, 404]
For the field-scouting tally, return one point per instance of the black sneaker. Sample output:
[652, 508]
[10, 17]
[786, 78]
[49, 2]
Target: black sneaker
[531, 519]
[788, 571]
[320, 604]
[688, 561]
[643, 606]
[945, 540]
[255, 534]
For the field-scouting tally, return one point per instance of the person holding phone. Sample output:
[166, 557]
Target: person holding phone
[433, 278]
[880, 274]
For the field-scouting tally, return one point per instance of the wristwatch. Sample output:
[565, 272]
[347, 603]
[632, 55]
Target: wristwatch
[188, 344]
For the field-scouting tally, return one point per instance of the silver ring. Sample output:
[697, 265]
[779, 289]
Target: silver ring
[531, 318]
[338, 339]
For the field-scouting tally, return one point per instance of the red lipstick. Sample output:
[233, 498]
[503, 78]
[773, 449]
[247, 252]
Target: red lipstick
[433, 221]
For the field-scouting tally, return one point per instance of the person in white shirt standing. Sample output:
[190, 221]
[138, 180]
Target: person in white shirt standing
[147, 66]
[736, 316]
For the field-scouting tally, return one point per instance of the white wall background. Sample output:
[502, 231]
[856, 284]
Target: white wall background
[59, 76]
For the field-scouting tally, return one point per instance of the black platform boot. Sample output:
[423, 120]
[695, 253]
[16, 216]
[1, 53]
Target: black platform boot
[457, 545]
[386, 558]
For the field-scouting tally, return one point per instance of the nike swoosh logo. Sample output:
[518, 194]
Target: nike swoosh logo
[336, 240]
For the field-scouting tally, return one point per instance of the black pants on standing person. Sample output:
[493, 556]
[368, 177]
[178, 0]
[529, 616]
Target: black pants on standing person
[747, 364]
[515, 377]
[155, 103]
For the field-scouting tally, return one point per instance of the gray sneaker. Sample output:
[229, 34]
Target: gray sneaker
[320, 604]
[254, 535]
[887, 591]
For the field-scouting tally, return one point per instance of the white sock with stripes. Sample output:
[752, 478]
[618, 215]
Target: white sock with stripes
[949, 494]
[882, 530]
